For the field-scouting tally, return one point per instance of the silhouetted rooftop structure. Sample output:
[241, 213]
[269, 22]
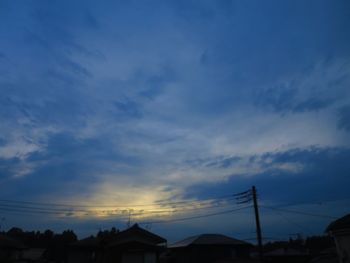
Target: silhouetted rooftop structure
[8, 242]
[208, 239]
[10, 249]
[134, 244]
[342, 223]
[207, 248]
[340, 231]
[137, 234]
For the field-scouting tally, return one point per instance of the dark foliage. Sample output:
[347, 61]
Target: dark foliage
[313, 244]
[56, 245]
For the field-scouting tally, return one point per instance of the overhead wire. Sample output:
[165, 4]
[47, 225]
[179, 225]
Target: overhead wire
[291, 222]
[39, 208]
[162, 208]
[299, 212]
[196, 217]
[314, 202]
[157, 203]
[199, 204]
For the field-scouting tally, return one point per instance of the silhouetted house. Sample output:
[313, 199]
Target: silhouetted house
[340, 231]
[208, 248]
[135, 245]
[31, 255]
[10, 249]
[326, 256]
[286, 255]
[87, 250]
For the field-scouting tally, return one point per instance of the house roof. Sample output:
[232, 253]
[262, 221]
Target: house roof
[137, 234]
[132, 234]
[342, 223]
[208, 239]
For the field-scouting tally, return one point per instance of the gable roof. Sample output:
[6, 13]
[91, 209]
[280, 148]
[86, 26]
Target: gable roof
[132, 234]
[208, 239]
[137, 234]
[342, 223]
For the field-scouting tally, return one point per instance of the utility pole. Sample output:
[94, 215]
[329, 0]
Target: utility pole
[257, 221]
[244, 198]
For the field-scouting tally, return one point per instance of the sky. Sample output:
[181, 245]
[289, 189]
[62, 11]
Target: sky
[120, 106]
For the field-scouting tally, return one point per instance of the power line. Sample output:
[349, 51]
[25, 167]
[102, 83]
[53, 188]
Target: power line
[304, 229]
[207, 206]
[59, 211]
[195, 217]
[41, 209]
[299, 212]
[31, 212]
[145, 213]
[69, 210]
[157, 203]
[314, 202]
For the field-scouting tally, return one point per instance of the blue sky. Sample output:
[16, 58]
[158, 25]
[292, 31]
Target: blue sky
[131, 102]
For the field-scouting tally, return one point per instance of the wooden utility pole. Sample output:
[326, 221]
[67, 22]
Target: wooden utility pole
[257, 221]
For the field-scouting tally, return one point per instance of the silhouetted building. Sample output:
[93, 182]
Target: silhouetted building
[340, 231]
[326, 256]
[208, 248]
[33, 255]
[10, 249]
[134, 245]
[87, 250]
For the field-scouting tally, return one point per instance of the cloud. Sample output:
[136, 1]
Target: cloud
[344, 118]
[294, 176]
[321, 87]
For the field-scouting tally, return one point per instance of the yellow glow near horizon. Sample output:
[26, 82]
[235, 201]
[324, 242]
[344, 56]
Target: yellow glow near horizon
[123, 202]
[135, 203]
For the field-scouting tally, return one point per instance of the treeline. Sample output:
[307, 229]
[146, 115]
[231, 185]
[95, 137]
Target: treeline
[48, 238]
[312, 244]
[41, 239]
[56, 245]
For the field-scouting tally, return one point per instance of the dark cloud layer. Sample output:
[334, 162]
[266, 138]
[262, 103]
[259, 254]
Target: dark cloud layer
[323, 177]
